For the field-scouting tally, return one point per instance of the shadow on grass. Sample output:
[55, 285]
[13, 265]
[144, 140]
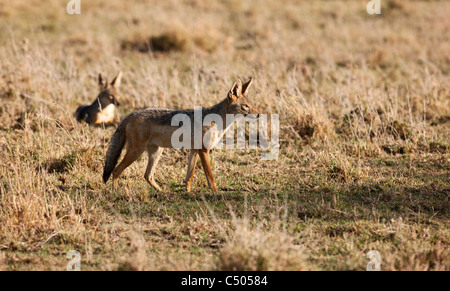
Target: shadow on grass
[339, 203]
[332, 202]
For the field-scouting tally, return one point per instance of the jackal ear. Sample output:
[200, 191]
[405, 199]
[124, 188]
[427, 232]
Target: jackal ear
[102, 83]
[116, 82]
[246, 86]
[100, 80]
[235, 91]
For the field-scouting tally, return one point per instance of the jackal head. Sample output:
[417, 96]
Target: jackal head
[238, 103]
[109, 92]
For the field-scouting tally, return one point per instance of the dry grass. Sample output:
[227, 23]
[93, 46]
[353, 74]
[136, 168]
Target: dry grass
[257, 249]
[364, 108]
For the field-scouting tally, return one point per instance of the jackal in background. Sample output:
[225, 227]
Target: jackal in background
[151, 130]
[102, 110]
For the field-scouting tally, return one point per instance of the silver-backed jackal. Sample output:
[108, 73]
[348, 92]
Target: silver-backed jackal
[102, 110]
[151, 130]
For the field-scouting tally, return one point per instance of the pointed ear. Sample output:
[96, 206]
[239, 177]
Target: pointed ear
[246, 86]
[235, 91]
[101, 82]
[116, 82]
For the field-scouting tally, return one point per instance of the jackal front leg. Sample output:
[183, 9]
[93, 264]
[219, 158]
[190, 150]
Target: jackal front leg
[154, 154]
[204, 157]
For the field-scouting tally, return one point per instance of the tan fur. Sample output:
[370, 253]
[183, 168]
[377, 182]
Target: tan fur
[106, 115]
[151, 130]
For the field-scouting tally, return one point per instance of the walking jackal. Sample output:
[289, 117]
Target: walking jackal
[151, 130]
[102, 110]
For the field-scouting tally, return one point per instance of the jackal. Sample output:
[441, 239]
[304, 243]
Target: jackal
[102, 110]
[151, 130]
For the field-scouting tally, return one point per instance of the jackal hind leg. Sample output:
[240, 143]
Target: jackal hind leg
[133, 153]
[154, 154]
[193, 157]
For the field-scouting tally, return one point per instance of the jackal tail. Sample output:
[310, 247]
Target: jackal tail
[114, 150]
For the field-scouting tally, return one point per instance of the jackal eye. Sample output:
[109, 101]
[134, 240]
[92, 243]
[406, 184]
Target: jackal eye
[245, 107]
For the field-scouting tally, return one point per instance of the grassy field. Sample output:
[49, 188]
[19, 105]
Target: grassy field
[364, 164]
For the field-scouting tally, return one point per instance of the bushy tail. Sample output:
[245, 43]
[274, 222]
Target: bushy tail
[80, 114]
[115, 148]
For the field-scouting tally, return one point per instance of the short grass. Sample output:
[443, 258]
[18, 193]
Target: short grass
[364, 164]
